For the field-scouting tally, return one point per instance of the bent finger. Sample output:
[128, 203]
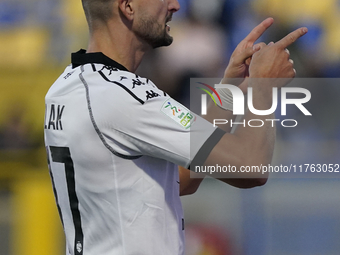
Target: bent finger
[256, 47]
[259, 46]
[247, 53]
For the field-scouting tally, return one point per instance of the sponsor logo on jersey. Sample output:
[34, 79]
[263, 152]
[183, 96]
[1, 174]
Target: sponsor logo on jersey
[151, 94]
[178, 113]
[79, 247]
[137, 82]
[68, 75]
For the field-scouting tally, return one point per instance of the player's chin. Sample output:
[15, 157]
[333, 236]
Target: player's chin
[165, 41]
[168, 39]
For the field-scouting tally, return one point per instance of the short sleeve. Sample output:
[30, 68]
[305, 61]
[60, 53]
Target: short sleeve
[137, 118]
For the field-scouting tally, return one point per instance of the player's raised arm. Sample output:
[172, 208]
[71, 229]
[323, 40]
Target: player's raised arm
[237, 69]
[250, 146]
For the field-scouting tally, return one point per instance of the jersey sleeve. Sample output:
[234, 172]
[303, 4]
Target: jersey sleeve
[140, 119]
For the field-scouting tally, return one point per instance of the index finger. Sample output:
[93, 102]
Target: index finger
[292, 37]
[259, 30]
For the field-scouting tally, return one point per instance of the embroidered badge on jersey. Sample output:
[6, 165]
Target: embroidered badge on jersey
[178, 113]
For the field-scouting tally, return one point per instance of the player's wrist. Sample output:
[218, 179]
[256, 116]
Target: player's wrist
[261, 92]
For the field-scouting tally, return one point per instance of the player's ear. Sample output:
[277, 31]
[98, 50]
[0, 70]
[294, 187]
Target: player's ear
[126, 8]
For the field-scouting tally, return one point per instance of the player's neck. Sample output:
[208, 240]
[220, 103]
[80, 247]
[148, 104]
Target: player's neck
[121, 46]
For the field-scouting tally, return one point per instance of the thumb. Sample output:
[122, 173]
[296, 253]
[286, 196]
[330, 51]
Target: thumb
[248, 52]
[256, 47]
[245, 54]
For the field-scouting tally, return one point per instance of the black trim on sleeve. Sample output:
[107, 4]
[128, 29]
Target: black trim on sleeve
[207, 147]
[122, 86]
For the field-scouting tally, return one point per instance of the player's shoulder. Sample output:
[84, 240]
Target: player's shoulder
[130, 80]
[64, 84]
[130, 84]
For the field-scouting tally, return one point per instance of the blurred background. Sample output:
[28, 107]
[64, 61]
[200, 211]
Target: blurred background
[288, 216]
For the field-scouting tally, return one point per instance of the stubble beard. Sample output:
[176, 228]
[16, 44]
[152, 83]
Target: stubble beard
[153, 33]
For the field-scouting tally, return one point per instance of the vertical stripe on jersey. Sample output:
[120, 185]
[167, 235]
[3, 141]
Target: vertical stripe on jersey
[63, 155]
[53, 186]
[56, 199]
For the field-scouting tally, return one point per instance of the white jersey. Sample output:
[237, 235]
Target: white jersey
[114, 141]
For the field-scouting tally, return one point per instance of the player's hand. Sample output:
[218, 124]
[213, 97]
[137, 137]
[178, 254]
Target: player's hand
[240, 58]
[273, 60]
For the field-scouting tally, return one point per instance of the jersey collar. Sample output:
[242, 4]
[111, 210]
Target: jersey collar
[81, 58]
